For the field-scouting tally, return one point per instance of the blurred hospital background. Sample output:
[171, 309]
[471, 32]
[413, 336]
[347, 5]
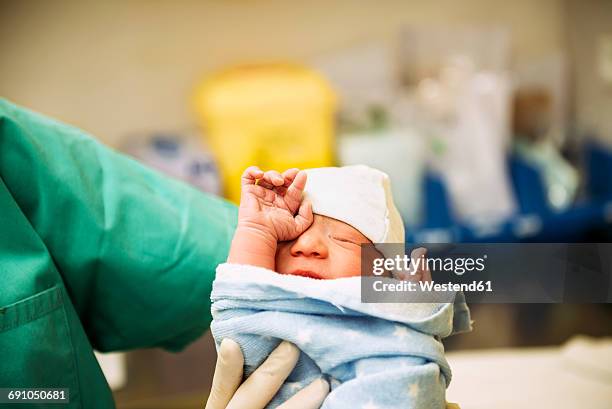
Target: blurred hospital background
[493, 119]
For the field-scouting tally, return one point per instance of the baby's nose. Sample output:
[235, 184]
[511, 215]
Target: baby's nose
[309, 245]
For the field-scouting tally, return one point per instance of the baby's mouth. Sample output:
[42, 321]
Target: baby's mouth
[307, 273]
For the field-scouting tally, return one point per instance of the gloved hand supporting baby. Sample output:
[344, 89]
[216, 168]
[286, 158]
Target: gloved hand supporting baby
[255, 393]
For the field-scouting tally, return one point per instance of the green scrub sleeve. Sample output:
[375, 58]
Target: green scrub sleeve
[137, 251]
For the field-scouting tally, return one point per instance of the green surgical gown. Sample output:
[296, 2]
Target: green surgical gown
[96, 251]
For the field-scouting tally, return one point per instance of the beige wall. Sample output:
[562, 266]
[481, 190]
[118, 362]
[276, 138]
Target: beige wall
[115, 67]
[587, 22]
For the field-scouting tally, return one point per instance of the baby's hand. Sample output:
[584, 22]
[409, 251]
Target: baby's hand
[272, 203]
[422, 272]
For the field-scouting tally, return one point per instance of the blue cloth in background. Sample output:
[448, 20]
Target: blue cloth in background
[373, 355]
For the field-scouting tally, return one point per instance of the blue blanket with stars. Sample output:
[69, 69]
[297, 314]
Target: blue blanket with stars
[374, 355]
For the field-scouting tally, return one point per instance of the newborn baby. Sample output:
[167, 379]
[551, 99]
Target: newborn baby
[308, 226]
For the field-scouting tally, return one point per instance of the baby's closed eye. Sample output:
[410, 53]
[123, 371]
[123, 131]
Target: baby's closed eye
[345, 239]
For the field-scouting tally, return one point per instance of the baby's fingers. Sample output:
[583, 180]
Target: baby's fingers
[274, 178]
[305, 217]
[250, 175]
[293, 196]
[423, 269]
[289, 175]
[297, 186]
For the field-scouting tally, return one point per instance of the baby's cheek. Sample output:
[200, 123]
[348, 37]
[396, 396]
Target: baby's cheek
[355, 267]
[346, 263]
[281, 258]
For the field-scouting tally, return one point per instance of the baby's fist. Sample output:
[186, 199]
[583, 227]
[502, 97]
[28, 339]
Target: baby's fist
[272, 203]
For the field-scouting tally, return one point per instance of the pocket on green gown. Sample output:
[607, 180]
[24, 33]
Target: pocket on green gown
[36, 348]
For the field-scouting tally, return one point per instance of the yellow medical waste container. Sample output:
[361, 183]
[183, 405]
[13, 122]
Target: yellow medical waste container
[275, 116]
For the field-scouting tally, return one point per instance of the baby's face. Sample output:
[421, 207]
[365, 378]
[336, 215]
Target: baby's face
[328, 249]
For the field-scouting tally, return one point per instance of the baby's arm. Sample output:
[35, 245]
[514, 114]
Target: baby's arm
[252, 246]
[271, 210]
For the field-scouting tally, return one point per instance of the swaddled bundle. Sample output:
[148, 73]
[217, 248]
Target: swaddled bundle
[309, 227]
[373, 355]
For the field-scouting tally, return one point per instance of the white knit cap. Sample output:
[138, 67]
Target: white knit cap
[359, 196]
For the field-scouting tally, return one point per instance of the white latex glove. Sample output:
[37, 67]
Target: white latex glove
[227, 392]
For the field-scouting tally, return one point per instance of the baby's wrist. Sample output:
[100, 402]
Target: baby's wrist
[254, 245]
[256, 229]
